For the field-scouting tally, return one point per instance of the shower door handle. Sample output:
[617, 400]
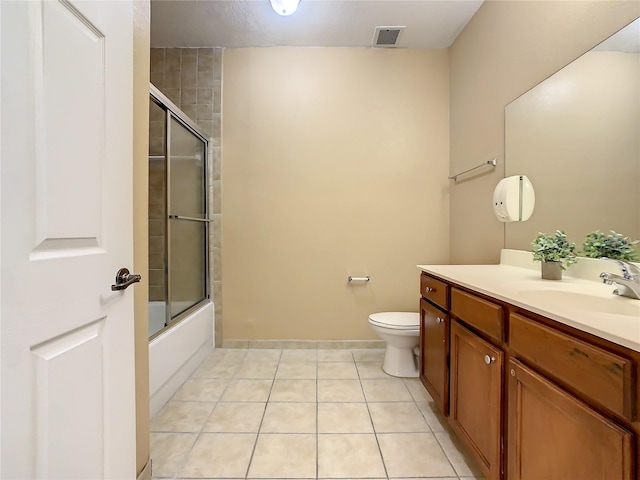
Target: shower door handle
[190, 219]
[124, 279]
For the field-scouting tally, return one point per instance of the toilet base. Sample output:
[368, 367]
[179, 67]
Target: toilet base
[400, 362]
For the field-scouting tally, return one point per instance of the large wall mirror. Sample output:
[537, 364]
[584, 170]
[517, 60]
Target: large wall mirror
[576, 136]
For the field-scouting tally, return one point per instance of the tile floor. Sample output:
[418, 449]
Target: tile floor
[303, 414]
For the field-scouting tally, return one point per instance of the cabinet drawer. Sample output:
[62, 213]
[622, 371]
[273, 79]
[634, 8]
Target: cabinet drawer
[602, 376]
[484, 315]
[434, 290]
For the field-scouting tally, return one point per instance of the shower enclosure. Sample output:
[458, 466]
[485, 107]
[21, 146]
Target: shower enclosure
[178, 215]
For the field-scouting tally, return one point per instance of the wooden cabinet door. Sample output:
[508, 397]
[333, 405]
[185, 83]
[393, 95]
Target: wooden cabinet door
[555, 436]
[475, 398]
[433, 353]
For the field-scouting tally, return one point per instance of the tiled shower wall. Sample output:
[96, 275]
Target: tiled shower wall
[157, 197]
[192, 79]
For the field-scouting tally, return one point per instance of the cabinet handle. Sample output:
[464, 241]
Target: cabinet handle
[439, 320]
[429, 289]
[489, 360]
[513, 372]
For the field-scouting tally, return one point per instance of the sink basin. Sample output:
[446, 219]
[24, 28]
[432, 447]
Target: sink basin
[575, 300]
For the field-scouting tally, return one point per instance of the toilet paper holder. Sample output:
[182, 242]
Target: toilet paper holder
[358, 279]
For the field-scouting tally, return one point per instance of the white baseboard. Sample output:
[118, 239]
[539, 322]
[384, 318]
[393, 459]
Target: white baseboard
[301, 344]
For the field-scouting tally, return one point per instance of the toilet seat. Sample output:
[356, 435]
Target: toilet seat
[396, 320]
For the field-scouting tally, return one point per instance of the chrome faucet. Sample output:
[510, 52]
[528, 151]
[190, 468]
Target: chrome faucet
[627, 284]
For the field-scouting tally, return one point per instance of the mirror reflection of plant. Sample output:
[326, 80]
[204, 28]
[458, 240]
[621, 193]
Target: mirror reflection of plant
[554, 248]
[614, 245]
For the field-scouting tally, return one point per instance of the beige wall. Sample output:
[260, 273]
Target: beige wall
[507, 48]
[141, 38]
[576, 137]
[335, 164]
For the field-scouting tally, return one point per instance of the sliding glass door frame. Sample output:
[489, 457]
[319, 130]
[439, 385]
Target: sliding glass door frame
[174, 113]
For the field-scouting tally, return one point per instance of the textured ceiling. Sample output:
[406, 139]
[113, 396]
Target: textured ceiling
[321, 23]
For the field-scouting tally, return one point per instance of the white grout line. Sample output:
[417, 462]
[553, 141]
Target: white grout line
[255, 444]
[373, 426]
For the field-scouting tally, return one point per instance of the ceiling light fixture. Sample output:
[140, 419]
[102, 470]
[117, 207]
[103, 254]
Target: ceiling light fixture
[284, 7]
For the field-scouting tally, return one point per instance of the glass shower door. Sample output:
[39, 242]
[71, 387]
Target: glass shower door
[187, 224]
[157, 218]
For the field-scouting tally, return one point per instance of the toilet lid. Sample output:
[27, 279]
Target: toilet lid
[397, 320]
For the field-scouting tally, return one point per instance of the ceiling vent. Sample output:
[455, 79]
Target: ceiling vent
[387, 37]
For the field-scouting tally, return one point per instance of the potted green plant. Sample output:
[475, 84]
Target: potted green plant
[614, 245]
[555, 252]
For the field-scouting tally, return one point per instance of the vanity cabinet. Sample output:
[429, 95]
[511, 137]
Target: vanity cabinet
[434, 290]
[434, 372]
[593, 372]
[434, 339]
[476, 394]
[484, 316]
[529, 397]
[553, 435]
[477, 377]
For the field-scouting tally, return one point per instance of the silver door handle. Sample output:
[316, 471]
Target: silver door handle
[124, 279]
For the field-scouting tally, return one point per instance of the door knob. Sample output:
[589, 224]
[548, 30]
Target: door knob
[488, 360]
[124, 279]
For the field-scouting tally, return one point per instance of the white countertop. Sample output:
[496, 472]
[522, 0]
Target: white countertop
[587, 305]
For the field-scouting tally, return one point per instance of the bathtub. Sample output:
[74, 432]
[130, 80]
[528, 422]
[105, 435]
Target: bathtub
[157, 316]
[176, 353]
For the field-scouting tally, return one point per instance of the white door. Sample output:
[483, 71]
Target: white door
[67, 360]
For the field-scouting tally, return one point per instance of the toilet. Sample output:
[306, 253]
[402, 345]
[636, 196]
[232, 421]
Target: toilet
[401, 331]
